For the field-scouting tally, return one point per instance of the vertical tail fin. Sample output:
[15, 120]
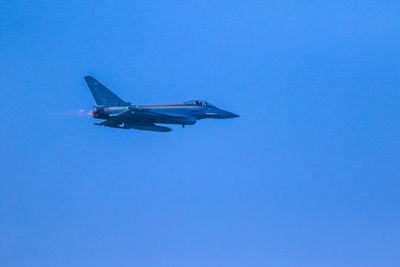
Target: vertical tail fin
[102, 95]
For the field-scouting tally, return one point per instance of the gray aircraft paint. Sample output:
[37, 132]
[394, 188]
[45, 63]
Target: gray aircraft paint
[117, 113]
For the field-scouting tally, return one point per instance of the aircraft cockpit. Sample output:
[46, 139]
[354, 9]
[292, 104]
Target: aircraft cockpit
[198, 103]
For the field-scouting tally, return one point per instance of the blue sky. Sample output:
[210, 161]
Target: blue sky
[307, 176]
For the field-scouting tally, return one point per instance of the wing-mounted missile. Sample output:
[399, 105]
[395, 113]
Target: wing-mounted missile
[108, 123]
[148, 127]
[145, 126]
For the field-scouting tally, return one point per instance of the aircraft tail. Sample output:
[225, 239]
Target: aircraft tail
[102, 95]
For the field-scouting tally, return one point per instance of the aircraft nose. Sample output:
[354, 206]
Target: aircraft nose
[232, 115]
[229, 115]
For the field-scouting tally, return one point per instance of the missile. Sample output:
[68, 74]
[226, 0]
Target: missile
[156, 128]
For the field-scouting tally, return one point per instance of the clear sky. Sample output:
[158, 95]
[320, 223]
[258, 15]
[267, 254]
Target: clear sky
[307, 176]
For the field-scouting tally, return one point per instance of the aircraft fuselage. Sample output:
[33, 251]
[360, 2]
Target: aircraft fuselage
[117, 113]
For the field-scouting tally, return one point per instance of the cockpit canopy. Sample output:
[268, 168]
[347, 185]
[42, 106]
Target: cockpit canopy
[198, 103]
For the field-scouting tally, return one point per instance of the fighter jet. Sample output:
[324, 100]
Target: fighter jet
[117, 113]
